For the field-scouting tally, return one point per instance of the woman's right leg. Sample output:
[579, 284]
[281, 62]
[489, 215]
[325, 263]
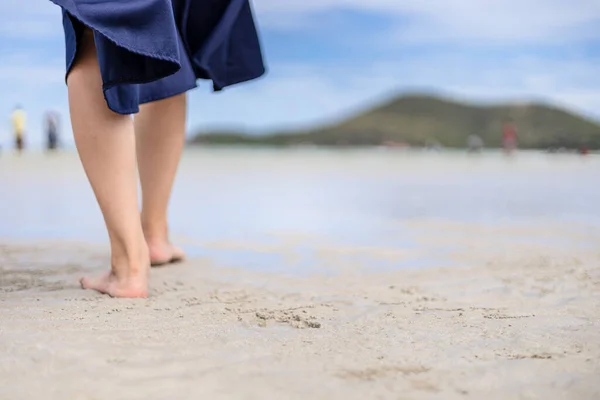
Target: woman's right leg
[106, 145]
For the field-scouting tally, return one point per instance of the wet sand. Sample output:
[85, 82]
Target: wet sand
[512, 319]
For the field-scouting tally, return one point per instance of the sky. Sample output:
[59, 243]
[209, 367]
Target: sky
[329, 58]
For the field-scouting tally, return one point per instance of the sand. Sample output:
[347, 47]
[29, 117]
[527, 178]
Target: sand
[510, 319]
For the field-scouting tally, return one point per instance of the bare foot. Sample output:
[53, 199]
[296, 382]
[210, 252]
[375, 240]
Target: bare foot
[110, 284]
[162, 253]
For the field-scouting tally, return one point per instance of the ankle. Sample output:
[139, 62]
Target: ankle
[155, 232]
[127, 267]
[129, 259]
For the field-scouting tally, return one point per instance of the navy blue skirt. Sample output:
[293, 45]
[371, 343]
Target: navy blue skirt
[153, 49]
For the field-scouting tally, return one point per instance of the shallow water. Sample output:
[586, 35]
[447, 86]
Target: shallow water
[298, 210]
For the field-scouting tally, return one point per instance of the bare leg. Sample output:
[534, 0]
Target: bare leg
[160, 133]
[106, 145]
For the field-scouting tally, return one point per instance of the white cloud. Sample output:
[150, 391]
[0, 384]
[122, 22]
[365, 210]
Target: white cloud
[25, 70]
[29, 19]
[483, 21]
[19, 10]
[33, 28]
[463, 21]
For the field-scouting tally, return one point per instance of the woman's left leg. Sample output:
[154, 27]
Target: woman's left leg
[160, 137]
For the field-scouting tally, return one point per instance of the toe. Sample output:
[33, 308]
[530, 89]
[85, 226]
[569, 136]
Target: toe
[99, 284]
[178, 254]
[86, 282]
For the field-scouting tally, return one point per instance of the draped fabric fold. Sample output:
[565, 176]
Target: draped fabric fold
[153, 49]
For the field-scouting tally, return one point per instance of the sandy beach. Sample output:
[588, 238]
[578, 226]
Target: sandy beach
[513, 321]
[358, 275]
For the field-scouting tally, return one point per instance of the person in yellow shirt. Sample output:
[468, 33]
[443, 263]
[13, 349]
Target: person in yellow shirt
[19, 121]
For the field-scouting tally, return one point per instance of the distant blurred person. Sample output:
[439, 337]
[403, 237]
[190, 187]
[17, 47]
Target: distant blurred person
[19, 122]
[141, 57]
[51, 130]
[509, 137]
[474, 143]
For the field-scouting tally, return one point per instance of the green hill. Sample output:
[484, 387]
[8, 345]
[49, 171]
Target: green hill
[417, 120]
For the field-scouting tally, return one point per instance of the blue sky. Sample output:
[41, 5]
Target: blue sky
[328, 58]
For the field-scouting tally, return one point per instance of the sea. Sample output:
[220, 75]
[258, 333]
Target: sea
[253, 207]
